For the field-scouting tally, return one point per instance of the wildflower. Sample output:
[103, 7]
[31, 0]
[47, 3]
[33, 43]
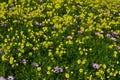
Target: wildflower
[79, 6]
[10, 78]
[114, 33]
[97, 33]
[35, 64]
[3, 25]
[101, 10]
[78, 61]
[118, 47]
[40, 1]
[113, 39]
[53, 27]
[69, 37]
[79, 32]
[96, 66]
[108, 35]
[51, 47]
[40, 24]
[78, 26]
[102, 32]
[76, 16]
[67, 75]
[24, 61]
[1, 51]
[104, 66]
[80, 70]
[19, 49]
[58, 70]
[112, 66]
[38, 68]
[119, 14]
[2, 78]
[11, 60]
[40, 7]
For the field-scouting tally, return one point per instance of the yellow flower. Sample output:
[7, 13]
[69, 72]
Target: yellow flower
[117, 62]
[48, 72]
[108, 76]
[84, 61]
[80, 70]
[11, 60]
[67, 75]
[17, 64]
[66, 67]
[78, 61]
[49, 68]
[90, 49]
[38, 68]
[30, 53]
[90, 78]
[97, 73]
[19, 54]
[108, 70]
[111, 73]
[71, 72]
[3, 58]
[104, 66]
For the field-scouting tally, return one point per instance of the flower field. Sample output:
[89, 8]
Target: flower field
[59, 39]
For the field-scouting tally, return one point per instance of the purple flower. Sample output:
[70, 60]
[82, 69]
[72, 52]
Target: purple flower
[113, 39]
[108, 35]
[51, 47]
[58, 70]
[2, 78]
[79, 32]
[78, 26]
[1, 51]
[40, 1]
[101, 10]
[40, 24]
[35, 64]
[19, 49]
[102, 32]
[119, 14]
[76, 16]
[96, 66]
[3, 25]
[97, 33]
[69, 37]
[114, 33]
[24, 61]
[10, 78]
[40, 7]
[112, 66]
[53, 27]
[80, 7]
[118, 47]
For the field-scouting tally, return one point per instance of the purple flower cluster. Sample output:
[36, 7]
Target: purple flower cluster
[9, 78]
[58, 70]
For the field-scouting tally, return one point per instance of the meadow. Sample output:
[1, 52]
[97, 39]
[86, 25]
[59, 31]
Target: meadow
[59, 39]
